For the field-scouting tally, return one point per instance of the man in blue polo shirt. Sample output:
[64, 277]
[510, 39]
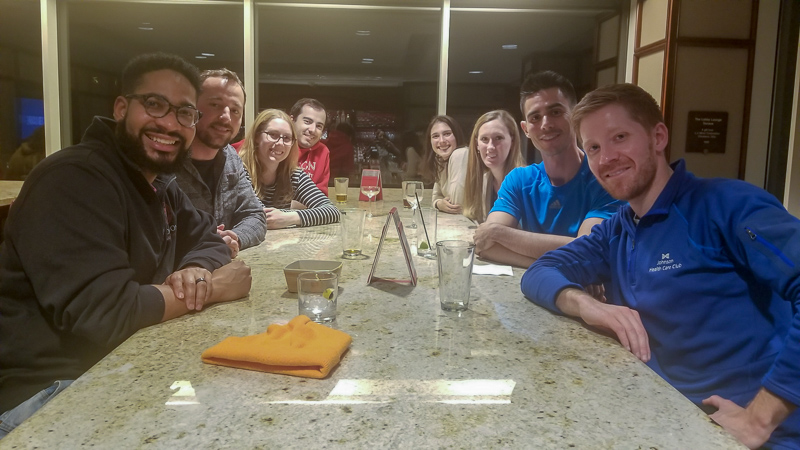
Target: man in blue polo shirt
[544, 206]
[702, 276]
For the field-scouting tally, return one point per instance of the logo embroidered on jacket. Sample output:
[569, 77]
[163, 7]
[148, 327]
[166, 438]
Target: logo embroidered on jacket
[665, 263]
[555, 205]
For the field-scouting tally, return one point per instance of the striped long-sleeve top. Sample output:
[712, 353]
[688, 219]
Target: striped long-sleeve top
[320, 210]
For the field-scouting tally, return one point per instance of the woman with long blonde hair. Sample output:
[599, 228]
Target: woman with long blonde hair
[270, 155]
[494, 150]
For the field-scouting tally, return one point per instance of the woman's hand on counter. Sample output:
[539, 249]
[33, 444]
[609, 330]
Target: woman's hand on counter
[281, 219]
[444, 205]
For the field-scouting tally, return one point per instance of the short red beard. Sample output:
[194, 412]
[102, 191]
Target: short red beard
[639, 184]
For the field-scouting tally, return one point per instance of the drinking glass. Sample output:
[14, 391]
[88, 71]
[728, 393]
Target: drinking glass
[455, 259]
[412, 191]
[426, 233]
[370, 186]
[317, 293]
[352, 223]
[406, 205]
[340, 185]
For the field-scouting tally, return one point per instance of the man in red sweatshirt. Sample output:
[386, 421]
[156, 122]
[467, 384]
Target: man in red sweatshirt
[309, 119]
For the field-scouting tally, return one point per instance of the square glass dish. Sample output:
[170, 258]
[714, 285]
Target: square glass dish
[308, 265]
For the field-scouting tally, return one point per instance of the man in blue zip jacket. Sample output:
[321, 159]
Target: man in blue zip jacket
[702, 276]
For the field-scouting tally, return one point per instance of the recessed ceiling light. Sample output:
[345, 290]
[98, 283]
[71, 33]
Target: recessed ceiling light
[146, 26]
[367, 60]
[510, 47]
[207, 54]
[201, 57]
[362, 33]
[475, 72]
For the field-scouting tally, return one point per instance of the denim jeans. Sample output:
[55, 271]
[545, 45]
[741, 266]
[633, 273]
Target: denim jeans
[12, 418]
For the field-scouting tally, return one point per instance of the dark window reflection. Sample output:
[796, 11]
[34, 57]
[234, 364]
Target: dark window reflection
[21, 94]
[375, 70]
[491, 51]
[103, 36]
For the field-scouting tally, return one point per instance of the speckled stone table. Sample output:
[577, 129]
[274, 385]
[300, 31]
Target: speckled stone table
[504, 374]
[9, 189]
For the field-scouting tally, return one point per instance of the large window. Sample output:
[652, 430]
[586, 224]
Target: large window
[103, 36]
[492, 48]
[22, 142]
[378, 65]
[374, 68]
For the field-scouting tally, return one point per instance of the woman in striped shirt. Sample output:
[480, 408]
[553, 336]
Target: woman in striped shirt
[289, 196]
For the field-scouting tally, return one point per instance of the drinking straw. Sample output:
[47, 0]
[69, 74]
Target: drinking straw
[422, 219]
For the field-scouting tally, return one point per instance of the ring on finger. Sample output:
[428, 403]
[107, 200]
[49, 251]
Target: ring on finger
[200, 280]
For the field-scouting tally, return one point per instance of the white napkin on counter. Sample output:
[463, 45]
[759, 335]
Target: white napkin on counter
[492, 269]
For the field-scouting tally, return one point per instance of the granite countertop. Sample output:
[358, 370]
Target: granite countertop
[504, 374]
[9, 190]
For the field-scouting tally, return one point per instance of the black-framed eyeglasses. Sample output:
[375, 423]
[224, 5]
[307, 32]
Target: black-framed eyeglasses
[156, 106]
[274, 136]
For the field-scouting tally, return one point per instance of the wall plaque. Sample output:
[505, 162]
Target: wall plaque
[706, 132]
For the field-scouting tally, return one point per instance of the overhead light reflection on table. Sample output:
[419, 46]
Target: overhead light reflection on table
[420, 391]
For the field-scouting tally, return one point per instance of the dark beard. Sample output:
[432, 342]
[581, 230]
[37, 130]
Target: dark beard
[132, 147]
[208, 141]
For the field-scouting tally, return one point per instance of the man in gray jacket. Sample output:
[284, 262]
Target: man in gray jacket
[214, 178]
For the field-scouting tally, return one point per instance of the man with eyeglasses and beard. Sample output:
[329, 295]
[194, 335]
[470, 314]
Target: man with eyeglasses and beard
[213, 177]
[101, 242]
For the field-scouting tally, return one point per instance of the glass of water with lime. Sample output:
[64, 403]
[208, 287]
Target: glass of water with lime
[426, 233]
[317, 293]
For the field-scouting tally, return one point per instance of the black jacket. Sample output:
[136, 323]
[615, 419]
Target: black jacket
[83, 241]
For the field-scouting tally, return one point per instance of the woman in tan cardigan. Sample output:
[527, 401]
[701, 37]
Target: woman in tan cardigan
[445, 164]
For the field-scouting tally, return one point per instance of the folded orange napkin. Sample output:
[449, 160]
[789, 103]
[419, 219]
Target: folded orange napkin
[300, 348]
